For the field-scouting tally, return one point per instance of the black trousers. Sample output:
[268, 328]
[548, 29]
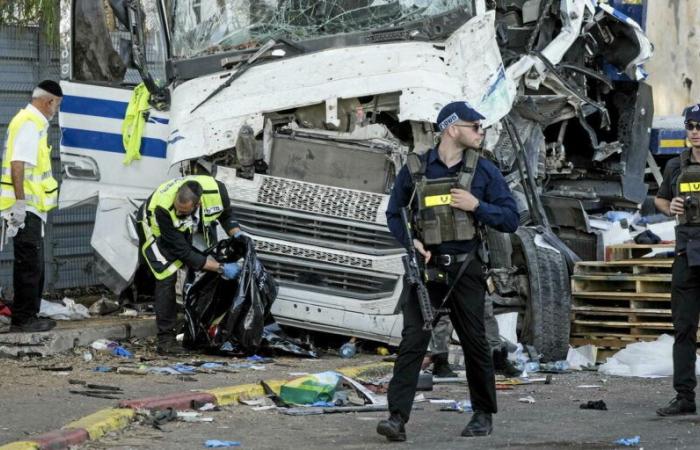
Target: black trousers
[28, 270]
[165, 306]
[685, 307]
[164, 298]
[466, 305]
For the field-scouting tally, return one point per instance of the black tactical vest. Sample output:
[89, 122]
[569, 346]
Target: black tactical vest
[688, 185]
[436, 220]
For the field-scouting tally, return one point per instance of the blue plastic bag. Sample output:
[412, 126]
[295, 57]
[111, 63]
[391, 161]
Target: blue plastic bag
[215, 443]
[122, 352]
[628, 442]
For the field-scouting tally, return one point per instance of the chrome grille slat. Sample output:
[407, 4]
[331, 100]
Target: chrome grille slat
[316, 230]
[329, 279]
[283, 250]
[320, 199]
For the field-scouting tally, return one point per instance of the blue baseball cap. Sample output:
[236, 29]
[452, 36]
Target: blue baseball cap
[692, 112]
[452, 112]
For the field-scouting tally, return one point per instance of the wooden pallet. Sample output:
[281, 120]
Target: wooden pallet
[623, 300]
[620, 252]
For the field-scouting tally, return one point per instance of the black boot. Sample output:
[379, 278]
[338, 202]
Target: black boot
[441, 366]
[33, 325]
[480, 425]
[168, 346]
[502, 365]
[677, 407]
[392, 428]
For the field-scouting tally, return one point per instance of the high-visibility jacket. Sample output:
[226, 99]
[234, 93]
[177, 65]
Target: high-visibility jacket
[211, 207]
[40, 187]
[134, 123]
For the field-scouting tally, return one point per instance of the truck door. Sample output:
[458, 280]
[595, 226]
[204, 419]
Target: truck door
[98, 80]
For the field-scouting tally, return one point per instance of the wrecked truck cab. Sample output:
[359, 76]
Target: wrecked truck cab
[306, 112]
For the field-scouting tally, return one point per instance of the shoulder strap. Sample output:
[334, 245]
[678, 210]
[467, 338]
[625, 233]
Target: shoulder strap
[416, 165]
[685, 158]
[471, 159]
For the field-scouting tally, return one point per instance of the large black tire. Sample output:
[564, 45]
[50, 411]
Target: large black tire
[546, 322]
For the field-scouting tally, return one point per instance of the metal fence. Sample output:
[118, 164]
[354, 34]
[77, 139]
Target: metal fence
[26, 59]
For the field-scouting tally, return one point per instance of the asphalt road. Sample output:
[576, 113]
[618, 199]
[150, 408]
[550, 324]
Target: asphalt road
[554, 421]
[34, 401]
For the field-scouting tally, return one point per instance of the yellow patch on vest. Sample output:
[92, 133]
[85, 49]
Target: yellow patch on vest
[438, 200]
[690, 187]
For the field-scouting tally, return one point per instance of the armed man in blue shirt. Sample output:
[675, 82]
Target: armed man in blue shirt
[451, 192]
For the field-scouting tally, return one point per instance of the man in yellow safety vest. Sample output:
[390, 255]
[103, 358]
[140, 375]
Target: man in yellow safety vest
[28, 192]
[168, 218]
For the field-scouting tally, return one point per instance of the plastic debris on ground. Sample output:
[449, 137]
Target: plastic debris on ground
[582, 357]
[598, 404]
[104, 345]
[320, 393]
[193, 416]
[121, 352]
[128, 312]
[529, 399]
[644, 359]
[461, 406]
[310, 389]
[628, 442]
[215, 443]
[66, 309]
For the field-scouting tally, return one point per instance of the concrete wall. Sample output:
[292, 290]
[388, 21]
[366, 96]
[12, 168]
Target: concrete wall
[674, 71]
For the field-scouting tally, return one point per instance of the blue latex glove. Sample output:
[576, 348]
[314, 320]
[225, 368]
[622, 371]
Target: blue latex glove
[231, 271]
[238, 234]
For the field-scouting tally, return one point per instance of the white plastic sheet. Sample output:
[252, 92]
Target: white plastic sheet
[67, 309]
[644, 359]
[581, 357]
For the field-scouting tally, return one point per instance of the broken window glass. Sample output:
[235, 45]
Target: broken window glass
[102, 44]
[209, 26]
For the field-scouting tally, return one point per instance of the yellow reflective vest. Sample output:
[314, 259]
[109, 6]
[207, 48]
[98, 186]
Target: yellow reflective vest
[134, 123]
[211, 207]
[40, 187]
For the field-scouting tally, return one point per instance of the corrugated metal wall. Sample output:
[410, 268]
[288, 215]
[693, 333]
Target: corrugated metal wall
[26, 59]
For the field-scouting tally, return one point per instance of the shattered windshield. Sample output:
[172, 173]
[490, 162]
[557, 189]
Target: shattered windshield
[210, 26]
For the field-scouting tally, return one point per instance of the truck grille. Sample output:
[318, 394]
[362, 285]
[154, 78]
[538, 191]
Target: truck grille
[320, 199]
[297, 227]
[327, 279]
[314, 255]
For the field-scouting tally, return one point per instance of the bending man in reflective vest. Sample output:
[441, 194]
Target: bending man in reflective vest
[168, 218]
[28, 191]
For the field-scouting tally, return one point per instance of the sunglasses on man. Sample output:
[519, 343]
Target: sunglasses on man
[474, 126]
[690, 126]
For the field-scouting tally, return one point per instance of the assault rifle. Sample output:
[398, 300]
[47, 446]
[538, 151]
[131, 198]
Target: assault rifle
[414, 276]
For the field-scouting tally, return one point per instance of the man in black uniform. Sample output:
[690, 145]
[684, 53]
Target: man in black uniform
[450, 190]
[679, 195]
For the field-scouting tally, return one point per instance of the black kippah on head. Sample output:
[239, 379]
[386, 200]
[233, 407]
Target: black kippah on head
[51, 87]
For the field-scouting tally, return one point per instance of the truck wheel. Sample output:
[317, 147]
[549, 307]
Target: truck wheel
[545, 323]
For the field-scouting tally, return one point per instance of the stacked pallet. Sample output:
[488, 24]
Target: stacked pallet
[625, 299]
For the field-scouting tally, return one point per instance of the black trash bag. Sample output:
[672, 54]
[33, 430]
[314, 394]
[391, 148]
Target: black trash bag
[229, 315]
[647, 237]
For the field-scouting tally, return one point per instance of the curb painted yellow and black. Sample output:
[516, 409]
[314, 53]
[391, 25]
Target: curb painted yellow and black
[98, 424]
